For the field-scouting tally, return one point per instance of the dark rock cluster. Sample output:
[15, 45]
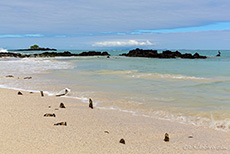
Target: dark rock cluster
[53, 54]
[10, 54]
[93, 53]
[36, 49]
[165, 54]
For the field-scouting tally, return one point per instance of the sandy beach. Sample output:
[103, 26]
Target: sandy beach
[24, 129]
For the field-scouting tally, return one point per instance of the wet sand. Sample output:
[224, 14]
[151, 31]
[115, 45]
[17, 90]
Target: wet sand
[24, 129]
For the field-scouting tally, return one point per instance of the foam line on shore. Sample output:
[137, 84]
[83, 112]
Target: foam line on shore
[222, 125]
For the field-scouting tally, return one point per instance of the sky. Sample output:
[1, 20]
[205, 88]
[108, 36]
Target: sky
[117, 24]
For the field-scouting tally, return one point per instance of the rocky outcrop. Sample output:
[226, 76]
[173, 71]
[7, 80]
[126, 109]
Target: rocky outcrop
[93, 53]
[10, 54]
[35, 49]
[53, 54]
[165, 54]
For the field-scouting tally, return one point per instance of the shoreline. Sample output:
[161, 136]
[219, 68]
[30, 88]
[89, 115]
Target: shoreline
[25, 130]
[213, 123]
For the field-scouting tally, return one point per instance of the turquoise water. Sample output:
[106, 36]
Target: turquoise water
[193, 91]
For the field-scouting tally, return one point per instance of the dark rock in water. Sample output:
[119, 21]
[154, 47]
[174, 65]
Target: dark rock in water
[141, 53]
[90, 103]
[9, 54]
[62, 105]
[93, 53]
[165, 54]
[122, 141]
[49, 115]
[20, 93]
[166, 139]
[54, 54]
[61, 124]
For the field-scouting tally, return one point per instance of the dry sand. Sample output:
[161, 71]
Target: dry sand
[23, 129]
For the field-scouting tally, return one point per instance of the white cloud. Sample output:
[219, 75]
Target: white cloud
[20, 35]
[129, 43]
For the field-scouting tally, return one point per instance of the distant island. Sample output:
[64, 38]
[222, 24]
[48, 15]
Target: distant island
[35, 48]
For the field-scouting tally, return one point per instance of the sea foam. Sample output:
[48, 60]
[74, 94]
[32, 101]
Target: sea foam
[19, 66]
[3, 50]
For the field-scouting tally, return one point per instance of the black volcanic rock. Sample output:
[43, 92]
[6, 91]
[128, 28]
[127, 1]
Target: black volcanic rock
[53, 54]
[9, 54]
[165, 54]
[93, 53]
[141, 53]
[35, 49]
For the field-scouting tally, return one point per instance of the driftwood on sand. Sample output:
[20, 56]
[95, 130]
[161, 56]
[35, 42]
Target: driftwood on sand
[63, 92]
[61, 124]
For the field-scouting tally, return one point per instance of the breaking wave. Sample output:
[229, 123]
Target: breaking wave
[30, 65]
[165, 76]
[137, 75]
[3, 50]
[223, 125]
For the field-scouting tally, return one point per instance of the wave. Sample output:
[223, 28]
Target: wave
[3, 50]
[223, 125]
[137, 75]
[165, 76]
[111, 72]
[16, 66]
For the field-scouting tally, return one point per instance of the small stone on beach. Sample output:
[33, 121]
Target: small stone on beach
[49, 115]
[62, 105]
[42, 93]
[190, 136]
[122, 141]
[166, 137]
[61, 123]
[107, 132]
[90, 103]
[20, 93]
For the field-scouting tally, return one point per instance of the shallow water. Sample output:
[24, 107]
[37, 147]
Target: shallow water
[193, 91]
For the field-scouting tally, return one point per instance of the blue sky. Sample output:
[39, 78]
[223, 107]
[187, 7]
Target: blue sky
[106, 24]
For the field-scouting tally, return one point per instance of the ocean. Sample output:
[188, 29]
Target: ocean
[189, 91]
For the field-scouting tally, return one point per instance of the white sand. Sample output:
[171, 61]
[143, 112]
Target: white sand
[23, 129]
